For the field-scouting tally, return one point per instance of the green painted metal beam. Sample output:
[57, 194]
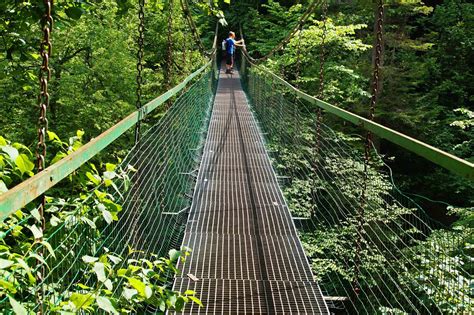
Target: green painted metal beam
[22, 194]
[448, 161]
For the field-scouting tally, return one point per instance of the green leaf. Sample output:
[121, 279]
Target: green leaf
[99, 270]
[8, 285]
[49, 248]
[80, 133]
[3, 141]
[54, 221]
[148, 292]
[174, 254]
[128, 294]
[37, 233]
[195, 300]
[35, 213]
[3, 187]
[52, 136]
[107, 216]
[105, 304]
[110, 167]
[95, 179]
[24, 164]
[138, 285]
[81, 301]
[17, 307]
[189, 292]
[4, 263]
[108, 284]
[114, 259]
[89, 259]
[11, 151]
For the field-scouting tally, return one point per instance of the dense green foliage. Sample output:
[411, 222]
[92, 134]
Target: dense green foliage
[427, 92]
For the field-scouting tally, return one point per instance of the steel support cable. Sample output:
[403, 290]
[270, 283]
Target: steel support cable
[64, 270]
[169, 47]
[140, 52]
[404, 225]
[368, 139]
[192, 25]
[279, 128]
[183, 132]
[301, 118]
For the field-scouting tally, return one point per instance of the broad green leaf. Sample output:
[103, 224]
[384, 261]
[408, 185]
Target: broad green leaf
[4, 263]
[11, 151]
[3, 141]
[52, 136]
[54, 221]
[128, 294]
[99, 270]
[174, 254]
[107, 216]
[105, 304]
[89, 259]
[17, 307]
[195, 300]
[35, 213]
[80, 133]
[108, 284]
[114, 259]
[148, 292]
[27, 268]
[24, 164]
[7, 285]
[81, 301]
[138, 285]
[189, 292]
[49, 248]
[110, 167]
[3, 187]
[110, 175]
[37, 233]
[95, 179]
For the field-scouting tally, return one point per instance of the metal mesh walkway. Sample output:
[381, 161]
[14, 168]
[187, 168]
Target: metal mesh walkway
[247, 257]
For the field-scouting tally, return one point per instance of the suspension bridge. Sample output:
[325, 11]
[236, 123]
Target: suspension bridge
[242, 170]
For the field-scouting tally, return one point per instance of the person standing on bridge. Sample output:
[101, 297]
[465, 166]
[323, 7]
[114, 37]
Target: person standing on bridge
[231, 43]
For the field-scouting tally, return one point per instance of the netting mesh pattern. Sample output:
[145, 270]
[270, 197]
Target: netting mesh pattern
[154, 198]
[382, 254]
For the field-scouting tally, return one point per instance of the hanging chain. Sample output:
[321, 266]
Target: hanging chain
[169, 45]
[43, 103]
[141, 33]
[44, 78]
[322, 52]
[319, 114]
[298, 56]
[368, 140]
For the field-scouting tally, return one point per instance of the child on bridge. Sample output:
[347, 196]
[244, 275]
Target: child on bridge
[231, 43]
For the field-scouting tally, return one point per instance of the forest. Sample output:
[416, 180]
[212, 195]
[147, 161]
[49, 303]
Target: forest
[422, 211]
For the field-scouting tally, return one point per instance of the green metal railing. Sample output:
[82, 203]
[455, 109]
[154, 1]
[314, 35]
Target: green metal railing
[437, 156]
[20, 195]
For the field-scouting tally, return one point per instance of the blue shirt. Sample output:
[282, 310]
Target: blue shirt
[230, 45]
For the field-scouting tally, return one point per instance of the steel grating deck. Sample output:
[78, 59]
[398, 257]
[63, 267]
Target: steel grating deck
[245, 250]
